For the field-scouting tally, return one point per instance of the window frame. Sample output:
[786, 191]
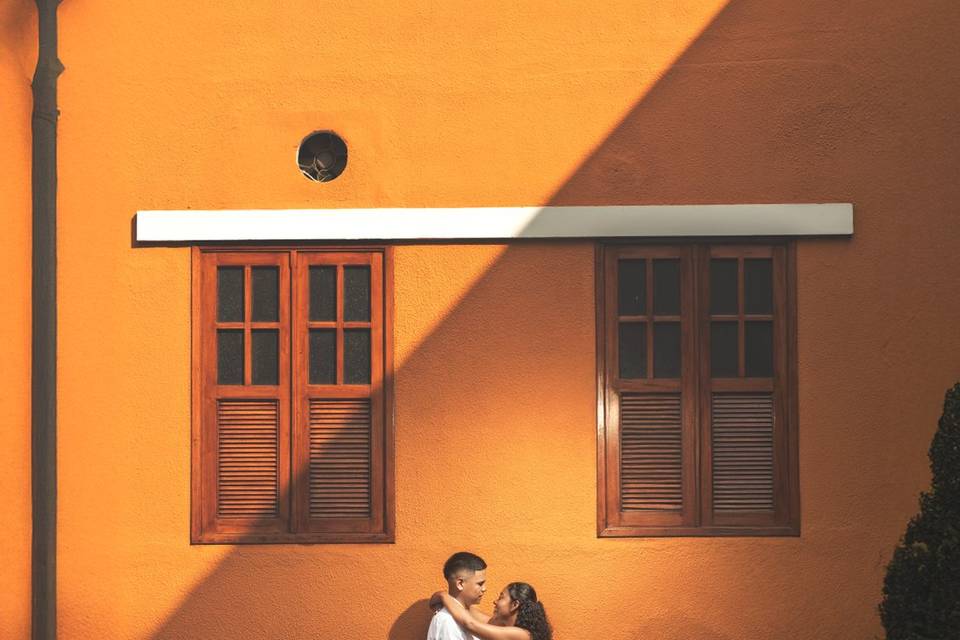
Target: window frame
[384, 498]
[695, 518]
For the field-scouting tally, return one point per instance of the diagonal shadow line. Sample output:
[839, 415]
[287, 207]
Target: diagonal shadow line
[673, 147]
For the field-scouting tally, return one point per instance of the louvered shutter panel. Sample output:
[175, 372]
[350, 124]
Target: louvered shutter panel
[340, 446]
[742, 428]
[651, 456]
[247, 459]
[340, 458]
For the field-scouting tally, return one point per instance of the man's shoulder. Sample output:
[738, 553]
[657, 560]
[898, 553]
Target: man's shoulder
[439, 614]
[442, 618]
[444, 627]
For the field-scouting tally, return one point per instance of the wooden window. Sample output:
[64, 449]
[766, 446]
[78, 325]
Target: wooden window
[292, 432]
[696, 378]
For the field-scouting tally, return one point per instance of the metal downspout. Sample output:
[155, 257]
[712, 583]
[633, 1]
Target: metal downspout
[44, 329]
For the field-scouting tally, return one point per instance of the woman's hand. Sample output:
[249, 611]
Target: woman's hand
[436, 601]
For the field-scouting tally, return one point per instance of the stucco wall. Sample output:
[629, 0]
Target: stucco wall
[17, 56]
[185, 104]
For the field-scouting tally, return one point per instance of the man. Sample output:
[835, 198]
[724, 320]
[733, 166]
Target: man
[466, 583]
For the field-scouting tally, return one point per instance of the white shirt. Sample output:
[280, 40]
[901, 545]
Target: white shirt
[444, 627]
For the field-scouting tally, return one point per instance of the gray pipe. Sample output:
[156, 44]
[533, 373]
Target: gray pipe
[44, 336]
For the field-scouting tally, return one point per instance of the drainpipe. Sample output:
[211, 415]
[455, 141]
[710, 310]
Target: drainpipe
[44, 346]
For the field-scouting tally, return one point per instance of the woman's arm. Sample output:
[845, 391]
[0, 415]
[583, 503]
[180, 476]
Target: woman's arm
[480, 629]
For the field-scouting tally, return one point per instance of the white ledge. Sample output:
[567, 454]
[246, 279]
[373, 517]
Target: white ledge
[474, 223]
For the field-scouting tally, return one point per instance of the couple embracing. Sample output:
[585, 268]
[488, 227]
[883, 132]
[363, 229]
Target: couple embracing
[517, 614]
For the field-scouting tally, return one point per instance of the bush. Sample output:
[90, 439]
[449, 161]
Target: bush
[921, 592]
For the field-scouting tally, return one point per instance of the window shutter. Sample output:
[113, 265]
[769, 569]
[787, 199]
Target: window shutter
[292, 432]
[248, 456]
[742, 448]
[339, 438]
[649, 438]
[340, 452]
[244, 444]
[651, 452]
[696, 373]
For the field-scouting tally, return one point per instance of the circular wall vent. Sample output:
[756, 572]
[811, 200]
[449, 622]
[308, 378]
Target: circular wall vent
[322, 156]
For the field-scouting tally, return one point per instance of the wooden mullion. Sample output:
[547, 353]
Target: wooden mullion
[376, 393]
[688, 383]
[339, 311]
[781, 486]
[611, 446]
[791, 415]
[300, 356]
[741, 331]
[284, 392]
[247, 314]
[648, 274]
[704, 392]
[600, 345]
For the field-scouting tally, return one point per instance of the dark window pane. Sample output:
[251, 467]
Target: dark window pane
[323, 356]
[356, 294]
[265, 282]
[265, 357]
[323, 293]
[632, 287]
[758, 285]
[724, 349]
[758, 356]
[666, 287]
[229, 294]
[633, 350]
[666, 350]
[723, 286]
[356, 356]
[230, 356]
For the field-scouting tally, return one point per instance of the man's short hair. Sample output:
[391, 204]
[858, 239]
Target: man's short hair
[462, 561]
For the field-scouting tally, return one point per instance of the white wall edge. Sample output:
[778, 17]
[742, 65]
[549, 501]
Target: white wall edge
[475, 223]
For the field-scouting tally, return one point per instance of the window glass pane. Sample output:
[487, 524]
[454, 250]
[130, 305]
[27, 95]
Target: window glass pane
[356, 356]
[758, 285]
[758, 357]
[633, 350]
[323, 356]
[666, 350]
[724, 349]
[265, 357]
[666, 287]
[265, 282]
[323, 293]
[229, 294]
[632, 287]
[723, 286]
[230, 356]
[356, 294]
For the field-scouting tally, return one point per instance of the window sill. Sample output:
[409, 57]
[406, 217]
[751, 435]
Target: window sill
[698, 532]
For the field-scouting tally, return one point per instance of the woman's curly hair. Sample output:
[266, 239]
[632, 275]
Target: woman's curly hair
[531, 615]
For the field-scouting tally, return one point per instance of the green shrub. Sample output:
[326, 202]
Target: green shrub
[921, 592]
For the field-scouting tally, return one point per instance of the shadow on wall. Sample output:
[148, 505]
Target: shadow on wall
[777, 101]
[676, 627]
[412, 624]
[18, 19]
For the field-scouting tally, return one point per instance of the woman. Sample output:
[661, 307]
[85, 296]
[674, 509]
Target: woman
[517, 615]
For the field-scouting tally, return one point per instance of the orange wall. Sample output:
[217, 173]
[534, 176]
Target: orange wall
[201, 105]
[17, 56]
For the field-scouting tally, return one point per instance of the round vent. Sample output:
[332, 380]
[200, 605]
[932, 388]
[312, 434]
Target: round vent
[322, 156]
